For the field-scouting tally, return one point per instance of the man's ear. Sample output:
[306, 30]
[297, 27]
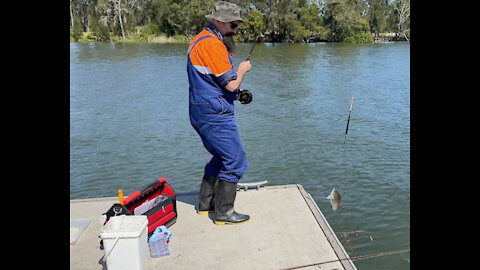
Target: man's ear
[216, 22]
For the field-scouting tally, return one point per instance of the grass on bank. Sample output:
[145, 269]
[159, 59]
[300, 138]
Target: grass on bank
[131, 38]
[149, 34]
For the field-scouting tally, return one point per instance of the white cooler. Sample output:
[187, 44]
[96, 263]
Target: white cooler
[125, 242]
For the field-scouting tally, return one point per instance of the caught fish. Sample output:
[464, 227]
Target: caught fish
[335, 198]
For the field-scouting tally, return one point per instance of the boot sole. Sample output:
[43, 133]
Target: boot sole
[219, 223]
[204, 212]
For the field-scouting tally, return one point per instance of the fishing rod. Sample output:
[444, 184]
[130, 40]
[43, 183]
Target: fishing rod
[348, 120]
[352, 258]
[251, 50]
[244, 96]
[253, 47]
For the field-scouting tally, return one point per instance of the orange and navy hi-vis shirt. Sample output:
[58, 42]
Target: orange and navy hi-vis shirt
[209, 67]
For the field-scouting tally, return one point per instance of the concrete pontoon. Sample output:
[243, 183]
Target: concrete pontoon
[286, 229]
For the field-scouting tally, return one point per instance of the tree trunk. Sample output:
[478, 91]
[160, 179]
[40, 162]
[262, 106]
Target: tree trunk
[71, 14]
[403, 14]
[120, 19]
[85, 16]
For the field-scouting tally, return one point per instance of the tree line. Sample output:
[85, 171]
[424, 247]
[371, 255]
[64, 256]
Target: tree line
[351, 21]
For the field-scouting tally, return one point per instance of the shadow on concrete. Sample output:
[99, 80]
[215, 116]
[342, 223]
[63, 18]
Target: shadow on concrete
[192, 199]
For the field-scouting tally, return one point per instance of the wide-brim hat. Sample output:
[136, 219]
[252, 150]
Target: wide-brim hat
[225, 12]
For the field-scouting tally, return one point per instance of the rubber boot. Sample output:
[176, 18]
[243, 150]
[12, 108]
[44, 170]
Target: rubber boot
[225, 194]
[207, 195]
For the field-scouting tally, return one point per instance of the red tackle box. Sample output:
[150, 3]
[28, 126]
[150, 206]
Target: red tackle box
[164, 213]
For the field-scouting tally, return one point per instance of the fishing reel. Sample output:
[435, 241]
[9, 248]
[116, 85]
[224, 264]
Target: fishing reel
[244, 96]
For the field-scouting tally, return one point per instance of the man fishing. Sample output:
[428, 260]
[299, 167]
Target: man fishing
[213, 87]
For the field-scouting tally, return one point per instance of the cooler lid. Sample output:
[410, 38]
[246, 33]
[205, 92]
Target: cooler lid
[124, 226]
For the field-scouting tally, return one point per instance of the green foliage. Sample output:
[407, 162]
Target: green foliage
[295, 32]
[77, 30]
[351, 21]
[189, 18]
[346, 22]
[377, 15]
[87, 37]
[312, 21]
[252, 27]
[365, 37]
[100, 30]
[181, 39]
[150, 29]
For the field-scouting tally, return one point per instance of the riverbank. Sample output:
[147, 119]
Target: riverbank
[139, 38]
[180, 39]
[385, 37]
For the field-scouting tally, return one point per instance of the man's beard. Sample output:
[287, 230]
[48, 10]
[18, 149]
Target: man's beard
[228, 41]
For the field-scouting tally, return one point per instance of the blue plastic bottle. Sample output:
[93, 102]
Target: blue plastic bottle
[158, 244]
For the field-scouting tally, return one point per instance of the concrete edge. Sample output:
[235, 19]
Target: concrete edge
[327, 230]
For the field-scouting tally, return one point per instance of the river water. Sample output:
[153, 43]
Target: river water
[129, 125]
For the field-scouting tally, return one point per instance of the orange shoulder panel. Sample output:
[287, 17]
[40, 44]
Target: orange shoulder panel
[210, 53]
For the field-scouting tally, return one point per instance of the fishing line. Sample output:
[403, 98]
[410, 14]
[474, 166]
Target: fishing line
[345, 138]
[345, 95]
[362, 257]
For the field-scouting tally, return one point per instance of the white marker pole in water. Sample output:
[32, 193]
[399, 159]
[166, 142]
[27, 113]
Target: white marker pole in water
[348, 120]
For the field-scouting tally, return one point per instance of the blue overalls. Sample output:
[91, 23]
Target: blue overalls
[212, 116]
